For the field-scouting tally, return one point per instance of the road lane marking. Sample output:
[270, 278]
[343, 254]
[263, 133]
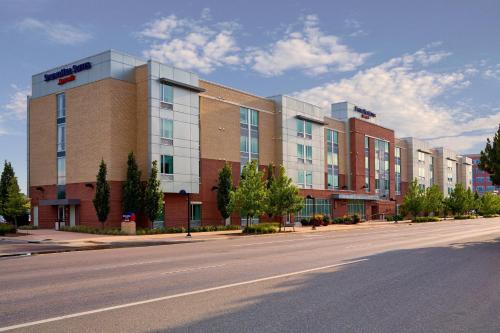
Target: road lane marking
[189, 293]
[192, 269]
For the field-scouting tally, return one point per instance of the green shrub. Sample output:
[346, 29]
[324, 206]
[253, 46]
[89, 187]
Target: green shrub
[356, 219]
[6, 228]
[464, 217]
[305, 222]
[28, 227]
[420, 219]
[394, 217]
[92, 230]
[262, 228]
[490, 215]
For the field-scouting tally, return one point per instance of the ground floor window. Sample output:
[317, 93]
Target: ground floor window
[195, 214]
[356, 207]
[323, 207]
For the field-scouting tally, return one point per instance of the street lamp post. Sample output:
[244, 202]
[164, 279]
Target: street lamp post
[314, 210]
[183, 192]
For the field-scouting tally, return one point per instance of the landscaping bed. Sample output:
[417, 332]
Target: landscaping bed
[163, 230]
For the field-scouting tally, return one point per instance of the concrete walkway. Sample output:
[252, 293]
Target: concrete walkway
[49, 241]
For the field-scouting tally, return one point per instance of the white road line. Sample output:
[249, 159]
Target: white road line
[192, 269]
[189, 293]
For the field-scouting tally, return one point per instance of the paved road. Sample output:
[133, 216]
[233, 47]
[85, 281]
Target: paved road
[433, 277]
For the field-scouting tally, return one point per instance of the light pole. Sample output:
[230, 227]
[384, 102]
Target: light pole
[314, 210]
[183, 192]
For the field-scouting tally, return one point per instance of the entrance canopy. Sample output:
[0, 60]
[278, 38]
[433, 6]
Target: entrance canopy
[59, 202]
[346, 196]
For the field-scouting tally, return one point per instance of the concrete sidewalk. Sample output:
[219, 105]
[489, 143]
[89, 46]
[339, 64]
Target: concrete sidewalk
[50, 241]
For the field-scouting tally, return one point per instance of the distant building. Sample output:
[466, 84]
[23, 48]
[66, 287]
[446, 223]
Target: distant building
[481, 181]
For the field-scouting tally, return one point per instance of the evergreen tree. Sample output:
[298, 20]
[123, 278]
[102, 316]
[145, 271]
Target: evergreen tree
[433, 201]
[284, 196]
[490, 158]
[250, 198]
[7, 175]
[490, 204]
[224, 188]
[102, 193]
[153, 195]
[17, 203]
[414, 200]
[269, 183]
[132, 189]
[460, 200]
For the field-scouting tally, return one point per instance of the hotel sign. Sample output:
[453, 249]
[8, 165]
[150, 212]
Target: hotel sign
[66, 75]
[365, 113]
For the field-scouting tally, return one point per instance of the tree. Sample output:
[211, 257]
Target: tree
[224, 188]
[250, 198]
[490, 158]
[132, 190]
[102, 193]
[433, 200]
[153, 195]
[283, 196]
[17, 203]
[7, 175]
[460, 200]
[490, 204]
[414, 200]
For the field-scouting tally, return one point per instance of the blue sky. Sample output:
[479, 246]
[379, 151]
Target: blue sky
[429, 69]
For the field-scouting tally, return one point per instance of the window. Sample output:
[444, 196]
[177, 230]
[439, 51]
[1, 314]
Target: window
[490, 188]
[196, 214]
[332, 158]
[61, 170]
[367, 164]
[309, 154]
[449, 163]
[397, 167]
[304, 128]
[167, 164]
[480, 188]
[300, 177]
[61, 137]
[356, 207]
[382, 167]
[421, 156]
[249, 136]
[319, 206]
[309, 178]
[61, 106]
[167, 129]
[308, 129]
[421, 172]
[166, 93]
[300, 152]
[300, 127]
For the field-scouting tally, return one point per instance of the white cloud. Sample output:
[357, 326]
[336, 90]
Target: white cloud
[14, 109]
[404, 95]
[355, 27]
[492, 72]
[192, 44]
[56, 32]
[309, 50]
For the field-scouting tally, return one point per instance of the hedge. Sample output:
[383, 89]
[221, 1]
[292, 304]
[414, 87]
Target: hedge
[262, 228]
[6, 228]
[464, 217]
[421, 219]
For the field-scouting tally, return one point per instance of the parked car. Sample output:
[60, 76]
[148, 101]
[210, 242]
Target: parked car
[2, 219]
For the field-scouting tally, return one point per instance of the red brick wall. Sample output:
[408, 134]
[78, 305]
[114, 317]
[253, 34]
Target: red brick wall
[85, 213]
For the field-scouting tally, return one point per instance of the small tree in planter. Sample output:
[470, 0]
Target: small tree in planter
[101, 196]
[355, 219]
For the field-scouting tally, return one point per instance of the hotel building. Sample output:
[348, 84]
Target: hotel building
[481, 180]
[110, 104]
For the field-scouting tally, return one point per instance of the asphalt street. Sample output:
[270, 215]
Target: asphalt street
[431, 277]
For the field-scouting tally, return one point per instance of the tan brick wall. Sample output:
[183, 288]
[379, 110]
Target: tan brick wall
[220, 130]
[142, 116]
[100, 123]
[42, 141]
[267, 139]
[235, 96]
[220, 119]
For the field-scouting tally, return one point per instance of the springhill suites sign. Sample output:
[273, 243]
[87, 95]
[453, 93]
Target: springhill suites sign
[67, 74]
[365, 113]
